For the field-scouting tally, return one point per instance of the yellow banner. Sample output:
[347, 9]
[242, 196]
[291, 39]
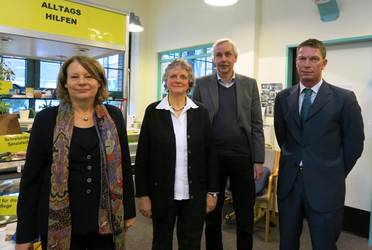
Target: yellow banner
[8, 205]
[65, 18]
[14, 143]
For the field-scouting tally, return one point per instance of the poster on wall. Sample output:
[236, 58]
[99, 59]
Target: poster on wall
[268, 94]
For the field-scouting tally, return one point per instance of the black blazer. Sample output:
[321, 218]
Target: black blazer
[33, 200]
[156, 158]
[329, 143]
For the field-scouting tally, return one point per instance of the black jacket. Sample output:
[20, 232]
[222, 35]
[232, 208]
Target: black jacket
[33, 200]
[156, 158]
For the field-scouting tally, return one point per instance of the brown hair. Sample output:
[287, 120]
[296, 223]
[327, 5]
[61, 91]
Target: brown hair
[183, 64]
[314, 43]
[93, 67]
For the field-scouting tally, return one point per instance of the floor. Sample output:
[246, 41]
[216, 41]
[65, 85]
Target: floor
[140, 236]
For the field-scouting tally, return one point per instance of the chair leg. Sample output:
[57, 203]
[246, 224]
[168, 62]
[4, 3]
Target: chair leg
[274, 208]
[267, 220]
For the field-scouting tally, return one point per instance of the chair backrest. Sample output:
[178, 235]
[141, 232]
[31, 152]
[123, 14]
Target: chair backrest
[271, 159]
[262, 182]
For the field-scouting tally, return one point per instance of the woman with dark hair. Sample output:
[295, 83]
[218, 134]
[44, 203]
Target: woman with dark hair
[76, 190]
[176, 171]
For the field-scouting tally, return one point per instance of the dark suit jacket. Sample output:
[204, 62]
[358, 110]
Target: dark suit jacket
[156, 158]
[33, 200]
[329, 143]
[249, 108]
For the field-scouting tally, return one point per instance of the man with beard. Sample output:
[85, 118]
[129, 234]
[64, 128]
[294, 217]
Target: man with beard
[233, 103]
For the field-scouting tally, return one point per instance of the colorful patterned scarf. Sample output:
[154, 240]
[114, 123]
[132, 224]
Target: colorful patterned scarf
[111, 209]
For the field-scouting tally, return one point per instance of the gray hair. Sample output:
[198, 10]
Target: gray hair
[225, 40]
[183, 64]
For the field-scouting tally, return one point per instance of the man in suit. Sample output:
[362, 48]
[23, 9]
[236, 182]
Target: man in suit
[233, 103]
[319, 129]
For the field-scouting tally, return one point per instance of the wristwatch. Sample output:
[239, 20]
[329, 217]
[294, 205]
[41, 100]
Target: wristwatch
[213, 194]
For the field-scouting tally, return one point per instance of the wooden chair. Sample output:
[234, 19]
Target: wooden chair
[265, 205]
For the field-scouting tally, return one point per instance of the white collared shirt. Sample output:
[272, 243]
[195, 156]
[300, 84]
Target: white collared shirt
[181, 181]
[226, 84]
[315, 90]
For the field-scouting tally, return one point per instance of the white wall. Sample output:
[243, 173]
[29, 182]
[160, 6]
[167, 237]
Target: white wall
[350, 67]
[288, 22]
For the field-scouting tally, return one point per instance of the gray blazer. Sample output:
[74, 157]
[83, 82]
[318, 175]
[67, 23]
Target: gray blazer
[249, 108]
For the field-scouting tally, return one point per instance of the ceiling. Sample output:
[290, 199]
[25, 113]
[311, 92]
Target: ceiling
[37, 48]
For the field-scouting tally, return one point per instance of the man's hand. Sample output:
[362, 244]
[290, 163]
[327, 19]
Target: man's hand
[258, 171]
[144, 206]
[211, 203]
[128, 223]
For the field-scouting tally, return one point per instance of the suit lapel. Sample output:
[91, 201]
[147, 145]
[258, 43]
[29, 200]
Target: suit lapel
[239, 95]
[190, 116]
[166, 117]
[292, 101]
[321, 99]
[213, 91]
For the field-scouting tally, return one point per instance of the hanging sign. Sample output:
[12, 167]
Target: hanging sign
[61, 17]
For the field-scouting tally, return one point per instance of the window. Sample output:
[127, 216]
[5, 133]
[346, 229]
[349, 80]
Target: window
[200, 58]
[42, 74]
[18, 65]
[114, 66]
[49, 74]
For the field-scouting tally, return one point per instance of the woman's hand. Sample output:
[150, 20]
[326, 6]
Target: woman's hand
[211, 203]
[129, 223]
[144, 206]
[24, 246]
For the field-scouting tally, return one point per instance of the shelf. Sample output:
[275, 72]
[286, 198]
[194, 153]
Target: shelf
[26, 98]
[11, 166]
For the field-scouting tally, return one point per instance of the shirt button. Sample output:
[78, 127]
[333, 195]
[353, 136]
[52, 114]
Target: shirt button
[188, 136]
[89, 180]
[189, 151]
[89, 157]
[88, 191]
[191, 197]
[189, 167]
[89, 167]
[190, 181]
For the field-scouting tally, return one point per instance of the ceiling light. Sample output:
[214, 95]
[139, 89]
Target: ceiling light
[221, 2]
[134, 23]
[82, 50]
[6, 39]
[61, 57]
